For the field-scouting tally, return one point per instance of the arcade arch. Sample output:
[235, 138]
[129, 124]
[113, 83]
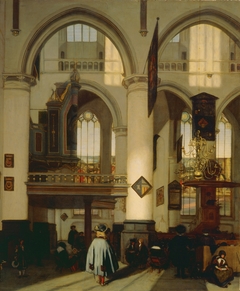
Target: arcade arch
[215, 17]
[50, 26]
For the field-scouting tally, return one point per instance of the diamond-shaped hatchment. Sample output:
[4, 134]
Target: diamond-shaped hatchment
[202, 123]
[141, 186]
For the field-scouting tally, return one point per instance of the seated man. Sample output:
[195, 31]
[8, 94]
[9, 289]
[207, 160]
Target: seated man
[62, 258]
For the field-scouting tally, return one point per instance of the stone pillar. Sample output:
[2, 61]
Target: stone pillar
[139, 148]
[121, 150]
[16, 145]
[14, 199]
[139, 217]
[121, 168]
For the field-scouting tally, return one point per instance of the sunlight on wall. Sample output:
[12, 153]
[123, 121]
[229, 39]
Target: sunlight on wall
[113, 65]
[205, 56]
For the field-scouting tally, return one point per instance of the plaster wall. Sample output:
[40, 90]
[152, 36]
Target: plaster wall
[161, 179]
[63, 227]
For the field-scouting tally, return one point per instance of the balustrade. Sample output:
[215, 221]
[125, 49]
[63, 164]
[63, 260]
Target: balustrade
[59, 178]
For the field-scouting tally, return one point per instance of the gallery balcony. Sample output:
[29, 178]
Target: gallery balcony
[60, 190]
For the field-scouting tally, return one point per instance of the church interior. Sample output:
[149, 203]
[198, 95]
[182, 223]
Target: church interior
[101, 136]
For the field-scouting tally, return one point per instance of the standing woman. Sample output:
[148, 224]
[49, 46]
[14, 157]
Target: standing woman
[20, 257]
[101, 259]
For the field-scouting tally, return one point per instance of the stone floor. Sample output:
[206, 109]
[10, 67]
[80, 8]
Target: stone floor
[46, 278]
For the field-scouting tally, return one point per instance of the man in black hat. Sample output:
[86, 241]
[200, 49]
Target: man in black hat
[207, 240]
[130, 252]
[179, 251]
[72, 235]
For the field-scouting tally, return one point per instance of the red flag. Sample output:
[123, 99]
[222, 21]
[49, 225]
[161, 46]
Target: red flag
[153, 70]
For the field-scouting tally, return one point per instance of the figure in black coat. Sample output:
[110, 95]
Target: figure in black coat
[207, 240]
[179, 251]
[72, 235]
[20, 258]
[141, 254]
[130, 253]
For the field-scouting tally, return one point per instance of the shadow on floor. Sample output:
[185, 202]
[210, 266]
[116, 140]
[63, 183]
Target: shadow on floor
[124, 272]
[169, 282]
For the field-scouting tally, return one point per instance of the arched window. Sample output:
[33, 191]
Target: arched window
[188, 193]
[224, 157]
[88, 142]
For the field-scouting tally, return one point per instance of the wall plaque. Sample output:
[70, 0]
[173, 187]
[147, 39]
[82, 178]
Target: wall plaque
[9, 161]
[8, 183]
[160, 196]
[174, 196]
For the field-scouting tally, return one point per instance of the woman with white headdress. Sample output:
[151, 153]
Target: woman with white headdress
[101, 259]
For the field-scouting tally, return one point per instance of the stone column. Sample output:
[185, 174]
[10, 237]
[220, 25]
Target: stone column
[139, 147]
[16, 143]
[138, 223]
[16, 117]
[121, 150]
[121, 169]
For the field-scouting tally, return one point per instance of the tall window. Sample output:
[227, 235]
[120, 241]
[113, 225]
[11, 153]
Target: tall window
[81, 33]
[224, 155]
[188, 193]
[88, 142]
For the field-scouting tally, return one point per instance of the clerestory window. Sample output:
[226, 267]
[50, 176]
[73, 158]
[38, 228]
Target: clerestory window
[188, 193]
[81, 33]
[224, 158]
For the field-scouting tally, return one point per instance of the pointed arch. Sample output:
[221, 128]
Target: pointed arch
[106, 97]
[227, 100]
[178, 90]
